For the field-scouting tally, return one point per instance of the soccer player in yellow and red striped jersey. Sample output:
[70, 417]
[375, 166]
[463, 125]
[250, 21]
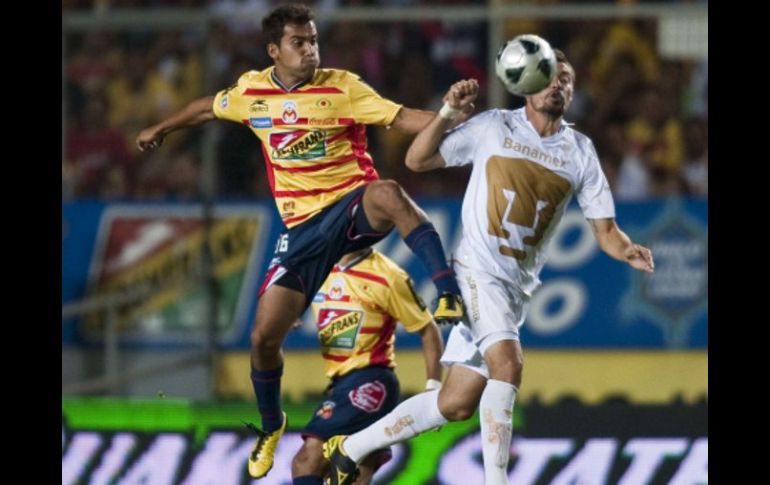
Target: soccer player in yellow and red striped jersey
[311, 124]
[313, 136]
[356, 311]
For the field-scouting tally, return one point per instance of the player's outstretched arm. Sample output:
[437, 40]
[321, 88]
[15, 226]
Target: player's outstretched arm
[617, 244]
[423, 153]
[199, 111]
[411, 121]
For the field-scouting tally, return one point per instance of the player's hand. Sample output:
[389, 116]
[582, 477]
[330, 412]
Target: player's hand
[462, 94]
[640, 258]
[149, 139]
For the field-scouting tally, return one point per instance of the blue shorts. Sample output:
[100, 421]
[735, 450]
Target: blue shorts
[353, 402]
[305, 254]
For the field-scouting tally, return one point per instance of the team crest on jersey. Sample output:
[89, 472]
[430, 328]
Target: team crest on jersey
[369, 397]
[290, 112]
[337, 289]
[338, 328]
[298, 145]
[326, 410]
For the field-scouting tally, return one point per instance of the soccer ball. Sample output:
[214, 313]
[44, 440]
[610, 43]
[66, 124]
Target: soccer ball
[526, 64]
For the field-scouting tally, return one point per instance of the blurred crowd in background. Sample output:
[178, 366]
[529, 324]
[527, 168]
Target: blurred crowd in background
[647, 115]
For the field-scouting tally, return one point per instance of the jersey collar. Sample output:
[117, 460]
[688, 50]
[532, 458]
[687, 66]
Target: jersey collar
[281, 85]
[357, 260]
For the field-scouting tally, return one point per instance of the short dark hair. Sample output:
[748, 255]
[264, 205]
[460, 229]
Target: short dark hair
[560, 56]
[276, 20]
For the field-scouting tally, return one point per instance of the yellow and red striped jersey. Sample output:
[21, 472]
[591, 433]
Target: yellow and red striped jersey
[313, 136]
[356, 310]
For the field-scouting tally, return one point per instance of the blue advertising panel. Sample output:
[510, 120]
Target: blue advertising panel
[587, 300]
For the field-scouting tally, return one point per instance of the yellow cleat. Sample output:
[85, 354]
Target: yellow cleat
[450, 309]
[342, 470]
[261, 457]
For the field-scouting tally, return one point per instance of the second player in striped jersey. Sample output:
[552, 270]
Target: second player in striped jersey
[356, 311]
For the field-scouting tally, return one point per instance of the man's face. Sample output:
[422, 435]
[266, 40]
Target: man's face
[298, 50]
[556, 98]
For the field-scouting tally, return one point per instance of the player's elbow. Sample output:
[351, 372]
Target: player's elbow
[414, 163]
[418, 163]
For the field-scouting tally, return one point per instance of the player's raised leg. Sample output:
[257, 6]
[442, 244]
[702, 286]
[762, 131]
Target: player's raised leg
[386, 204]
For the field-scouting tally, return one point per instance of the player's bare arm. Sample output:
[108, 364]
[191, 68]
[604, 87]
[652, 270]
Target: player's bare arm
[617, 244]
[199, 111]
[411, 121]
[432, 348]
[423, 153]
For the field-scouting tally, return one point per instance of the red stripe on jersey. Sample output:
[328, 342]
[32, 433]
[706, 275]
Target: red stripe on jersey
[379, 354]
[263, 91]
[343, 134]
[290, 220]
[346, 121]
[327, 90]
[280, 122]
[345, 298]
[369, 330]
[268, 169]
[335, 358]
[357, 136]
[368, 276]
[316, 167]
[333, 188]
[273, 91]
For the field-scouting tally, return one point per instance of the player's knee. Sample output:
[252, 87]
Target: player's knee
[388, 195]
[456, 408]
[265, 344]
[307, 461]
[458, 412]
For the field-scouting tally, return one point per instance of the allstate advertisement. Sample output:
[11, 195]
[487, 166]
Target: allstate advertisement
[175, 441]
[587, 300]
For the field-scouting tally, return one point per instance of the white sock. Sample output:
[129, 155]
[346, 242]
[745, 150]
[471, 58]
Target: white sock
[408, 419]
[496, 416]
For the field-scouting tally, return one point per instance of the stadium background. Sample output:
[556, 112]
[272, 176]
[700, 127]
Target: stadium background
[161, 251]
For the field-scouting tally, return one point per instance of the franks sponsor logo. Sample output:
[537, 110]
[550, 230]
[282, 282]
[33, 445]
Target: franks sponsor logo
[298, 144]
[338, 328]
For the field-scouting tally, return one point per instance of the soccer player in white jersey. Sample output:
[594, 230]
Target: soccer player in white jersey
[527, 164]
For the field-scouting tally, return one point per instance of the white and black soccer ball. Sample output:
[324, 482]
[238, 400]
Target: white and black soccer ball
[526, 64]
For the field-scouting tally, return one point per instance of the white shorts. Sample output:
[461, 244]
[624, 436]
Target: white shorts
[496, 309]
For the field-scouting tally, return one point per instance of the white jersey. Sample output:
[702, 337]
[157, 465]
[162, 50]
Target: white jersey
[519, 188]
